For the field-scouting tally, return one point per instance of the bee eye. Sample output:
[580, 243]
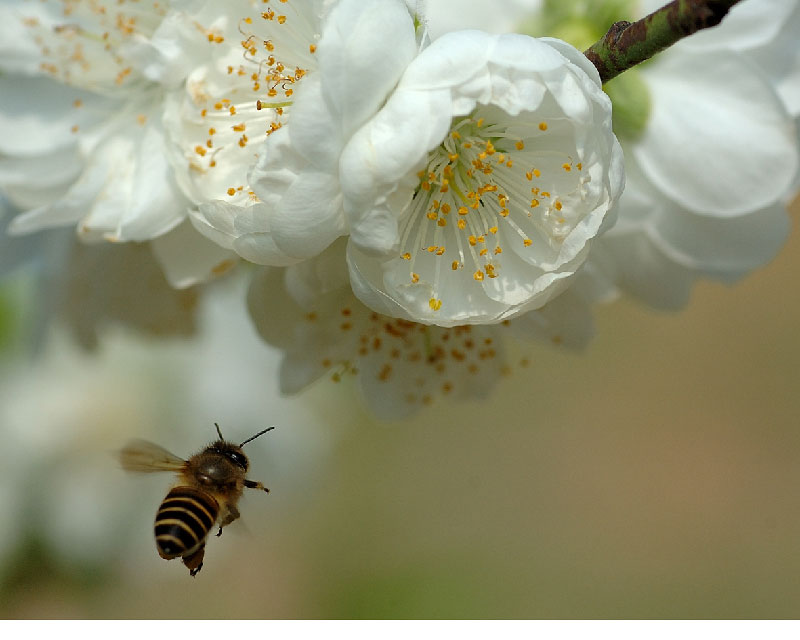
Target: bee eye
[238, 459]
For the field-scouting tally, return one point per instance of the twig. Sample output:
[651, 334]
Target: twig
[627, 44]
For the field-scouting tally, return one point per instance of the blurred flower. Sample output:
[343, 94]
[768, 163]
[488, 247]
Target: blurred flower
[81, 121]
[707, 184]
[764, 32]
[309, 312]
[93, 133]
[89, 288]
[123, 286]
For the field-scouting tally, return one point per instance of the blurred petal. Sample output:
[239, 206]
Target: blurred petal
[689, 149]
[188, 258]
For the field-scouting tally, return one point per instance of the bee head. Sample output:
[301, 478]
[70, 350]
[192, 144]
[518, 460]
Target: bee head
[229, 451]
[232, 451]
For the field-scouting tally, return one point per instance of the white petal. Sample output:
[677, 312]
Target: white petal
[566, 320]
[309, 215]
[385, 288]
[310, 280]
[188, 258]
[138, 200]
[374, 231]
[70, 208]
[215, 220]
[730, 248]
[32, 182]
[644, 272]
[575, 57]
[157, 206]
[38, 114]
[660, 243]
[377, 155]
[749, 24]
[260, 248]
[718, 138]
[168, 54]
[233, 227]
[364, 49]
[279, 164]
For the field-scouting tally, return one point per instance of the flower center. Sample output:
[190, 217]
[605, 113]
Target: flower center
[495, 184]
[85, 49]
[413, 361]
[244, 99]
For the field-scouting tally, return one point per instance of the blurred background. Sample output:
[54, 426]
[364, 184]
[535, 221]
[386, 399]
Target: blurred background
[654, 475]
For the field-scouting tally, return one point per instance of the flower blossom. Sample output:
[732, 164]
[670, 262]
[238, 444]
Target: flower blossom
[471, 196]
[89, 146]
[707, 186]
[710, 146]
[230, 102]
[339, 67]
[502, 169]
[309, 312]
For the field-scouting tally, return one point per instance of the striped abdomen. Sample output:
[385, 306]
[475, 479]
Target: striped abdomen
[183, 521]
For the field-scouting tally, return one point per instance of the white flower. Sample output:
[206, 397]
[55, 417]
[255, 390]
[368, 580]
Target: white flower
[720, 162]
[94, 115]
[231, 101]
[81, 134]
[659, 248]
[501, 164]
[711, 162]
[309, 312]
[361, 52]
[102, 286]
[487, 146]
[711, 171]
[765, 32]
[89, 288]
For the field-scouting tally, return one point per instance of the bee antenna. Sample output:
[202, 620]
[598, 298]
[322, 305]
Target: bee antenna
[255, 436]
[218, 431]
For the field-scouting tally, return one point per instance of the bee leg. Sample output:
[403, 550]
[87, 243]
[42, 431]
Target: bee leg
[233, 514]
[250, 484]
[194, 560]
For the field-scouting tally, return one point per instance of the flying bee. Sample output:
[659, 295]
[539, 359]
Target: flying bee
[209, 486]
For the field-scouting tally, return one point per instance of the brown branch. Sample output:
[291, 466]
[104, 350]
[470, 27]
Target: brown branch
[627, 44]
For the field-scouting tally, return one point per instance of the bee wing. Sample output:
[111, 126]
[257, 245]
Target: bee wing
[144, 457]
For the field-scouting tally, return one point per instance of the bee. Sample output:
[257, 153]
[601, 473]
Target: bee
[209, 486]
